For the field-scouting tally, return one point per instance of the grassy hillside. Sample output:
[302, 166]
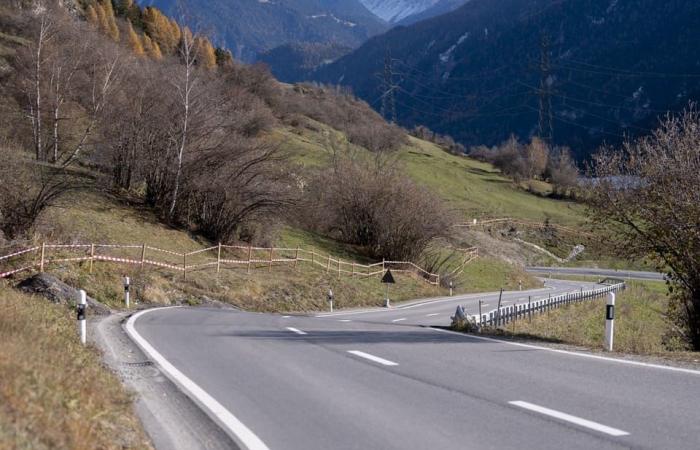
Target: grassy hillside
[473, 188]
[55, 393]
[94, 217]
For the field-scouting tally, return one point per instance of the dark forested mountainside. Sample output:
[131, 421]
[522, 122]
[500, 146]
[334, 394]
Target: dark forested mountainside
[249, 27]
[295, 62]
[596, 70]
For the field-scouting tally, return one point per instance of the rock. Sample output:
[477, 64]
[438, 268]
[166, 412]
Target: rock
[57, 291]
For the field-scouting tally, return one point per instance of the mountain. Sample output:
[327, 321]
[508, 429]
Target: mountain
[249, 27]
[437, 9]
[295, 62]
[609, 68]
[394, 11]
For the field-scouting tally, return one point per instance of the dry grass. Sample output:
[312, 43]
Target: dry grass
[641, 326]
[54, 393]
[94, 217]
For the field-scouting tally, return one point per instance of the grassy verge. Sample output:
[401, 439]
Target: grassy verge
[641, 326]
[55, 393]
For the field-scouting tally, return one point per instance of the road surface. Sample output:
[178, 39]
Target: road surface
[585, 271]
[380, 380]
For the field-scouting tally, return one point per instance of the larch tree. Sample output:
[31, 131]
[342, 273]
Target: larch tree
[135, 41]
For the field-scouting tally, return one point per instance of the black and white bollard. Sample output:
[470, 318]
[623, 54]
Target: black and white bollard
[520, 285]
[82, 325]
[609, 321]
[126, 291]
[330, 299]
[451, 286]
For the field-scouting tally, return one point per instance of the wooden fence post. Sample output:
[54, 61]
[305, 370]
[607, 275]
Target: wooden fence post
[328, 267]
[313, 253]
[218, 260]
[43, 253]
[353, 269]
[383, 268]
[339, 267]
[296, 258]
[92, 255]
[269, 267]
[143, 255]
[184, 265]
[250, 254]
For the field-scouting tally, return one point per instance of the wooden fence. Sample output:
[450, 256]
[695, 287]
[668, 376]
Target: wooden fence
[526, 223]
[217, 257]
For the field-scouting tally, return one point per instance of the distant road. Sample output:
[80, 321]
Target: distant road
[380, 379]
[585, 271]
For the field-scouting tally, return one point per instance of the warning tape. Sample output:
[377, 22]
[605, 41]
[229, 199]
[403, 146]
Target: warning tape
[21, 252]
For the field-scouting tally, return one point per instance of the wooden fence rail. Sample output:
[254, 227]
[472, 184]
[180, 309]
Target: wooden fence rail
[219, 256]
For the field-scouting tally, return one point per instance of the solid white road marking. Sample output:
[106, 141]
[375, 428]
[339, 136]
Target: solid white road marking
[566, 352]
[433, 314]
[399, 320]
[231, 425]
[286, 317]
[294, 330]
[376, 359]
[344, 320]
[569, 418]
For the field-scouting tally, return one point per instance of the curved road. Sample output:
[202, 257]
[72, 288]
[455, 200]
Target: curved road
[367, 380]
[585, 271]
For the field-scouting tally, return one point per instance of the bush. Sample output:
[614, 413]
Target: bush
[372, 205]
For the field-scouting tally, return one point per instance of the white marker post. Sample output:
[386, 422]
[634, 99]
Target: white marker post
[330, 298]
[520, 285]
[451, 286]
[609, 321]
[126, 291]
[82, 326]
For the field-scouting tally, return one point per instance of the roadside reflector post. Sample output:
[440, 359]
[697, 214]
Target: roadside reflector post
[609, 321]
[127, 282]
[330, 299]
[451, 286]
[520, 285]
[82, 326]
[481, 321]
[529, 309]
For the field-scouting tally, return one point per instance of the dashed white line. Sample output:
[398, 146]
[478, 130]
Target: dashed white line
[231, 425]
[376, 359]
[294, 330]
[344, 320]
[399, 320]
[433, 314]
[569, 418]
[286, 317]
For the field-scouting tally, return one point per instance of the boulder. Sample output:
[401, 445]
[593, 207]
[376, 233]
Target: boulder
[57, 291]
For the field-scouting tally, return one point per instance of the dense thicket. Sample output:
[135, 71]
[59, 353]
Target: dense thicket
[646, 199]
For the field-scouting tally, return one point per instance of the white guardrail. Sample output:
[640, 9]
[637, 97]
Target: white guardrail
[506, 314]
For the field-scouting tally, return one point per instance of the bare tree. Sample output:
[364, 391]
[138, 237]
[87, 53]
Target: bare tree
[645, 199]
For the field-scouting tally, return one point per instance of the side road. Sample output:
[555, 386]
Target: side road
[170, 418]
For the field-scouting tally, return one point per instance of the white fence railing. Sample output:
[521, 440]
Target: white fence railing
[506, 314]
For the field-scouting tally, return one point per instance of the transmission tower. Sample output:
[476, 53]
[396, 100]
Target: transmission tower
[545, 92]
[389, 86]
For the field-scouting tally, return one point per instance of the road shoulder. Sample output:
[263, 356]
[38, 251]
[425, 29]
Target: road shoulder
[169, 417]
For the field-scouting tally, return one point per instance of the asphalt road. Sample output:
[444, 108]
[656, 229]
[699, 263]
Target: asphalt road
[585, 271]
[363, 380]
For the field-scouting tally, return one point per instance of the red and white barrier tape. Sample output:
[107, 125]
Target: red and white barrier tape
[21, 252]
